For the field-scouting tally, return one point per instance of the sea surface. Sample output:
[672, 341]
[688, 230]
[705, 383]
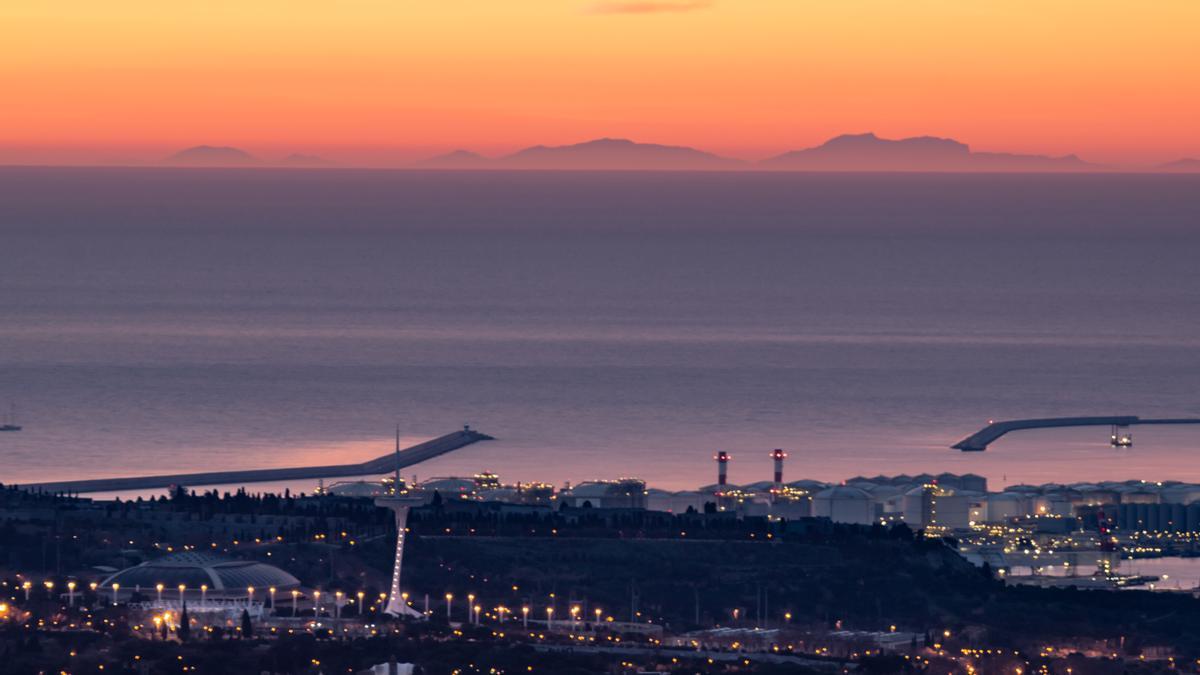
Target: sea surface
[598, 324]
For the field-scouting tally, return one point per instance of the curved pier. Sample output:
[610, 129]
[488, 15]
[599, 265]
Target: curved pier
[393, 461]
[979, 441]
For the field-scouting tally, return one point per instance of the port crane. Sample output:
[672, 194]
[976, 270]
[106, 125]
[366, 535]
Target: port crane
[1121, 437]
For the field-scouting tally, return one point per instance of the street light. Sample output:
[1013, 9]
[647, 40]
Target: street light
[182, 588]
[316, 603]
[449, 597]
[249, 595]
[295, 595]
[115, 587]
[203, 597]
[271, 590]
[71, 593]
[549, 618]
[26, 586]
[360, 595]
[470, 605]
[159, 589]
[525, 616]
[477, 610]
[598, 613]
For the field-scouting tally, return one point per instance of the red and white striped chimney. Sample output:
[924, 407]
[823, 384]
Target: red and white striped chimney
[778, 455]
[722, 458]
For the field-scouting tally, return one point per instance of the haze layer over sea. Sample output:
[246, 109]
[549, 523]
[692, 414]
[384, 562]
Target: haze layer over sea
[599, 325]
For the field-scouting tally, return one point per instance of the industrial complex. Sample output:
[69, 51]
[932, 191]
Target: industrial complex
[356, 558]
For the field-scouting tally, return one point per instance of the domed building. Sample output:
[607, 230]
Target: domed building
[201, 574]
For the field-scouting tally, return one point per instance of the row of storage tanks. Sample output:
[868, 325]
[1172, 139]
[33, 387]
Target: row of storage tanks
[945, 500]
[956, 502]
[1133, 505]
[1163, 517]
[921, 500]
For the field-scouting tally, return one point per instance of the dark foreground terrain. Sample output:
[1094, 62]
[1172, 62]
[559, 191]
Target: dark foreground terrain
[630, 590]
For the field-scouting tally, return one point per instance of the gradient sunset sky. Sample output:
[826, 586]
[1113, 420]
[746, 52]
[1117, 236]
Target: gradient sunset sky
[387, 81]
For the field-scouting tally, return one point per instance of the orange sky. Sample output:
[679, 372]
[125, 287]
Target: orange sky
[386, 81]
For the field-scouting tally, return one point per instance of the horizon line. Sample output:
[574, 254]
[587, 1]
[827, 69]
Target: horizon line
[742, 168]
[290, 157]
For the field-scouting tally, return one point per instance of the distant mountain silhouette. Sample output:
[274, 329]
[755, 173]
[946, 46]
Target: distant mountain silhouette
[616, 153]
[1185, 164]
[459, 159]
[298, 159]
[600, 154]
[868, 152]
[208, 155]
[849, 152]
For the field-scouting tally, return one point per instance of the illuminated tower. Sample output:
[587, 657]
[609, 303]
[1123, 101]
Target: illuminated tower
[778, 455]
[399, 502]
[722, 471]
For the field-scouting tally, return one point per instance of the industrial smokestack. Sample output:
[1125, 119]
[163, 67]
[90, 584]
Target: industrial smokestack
[778, 455]
[722, 470]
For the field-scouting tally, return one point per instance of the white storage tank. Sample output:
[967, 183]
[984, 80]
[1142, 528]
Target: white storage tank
[932, 505]
[844, 504]
[1005, 505]
[1181, 494]
[1140, 495]
[1054, 504]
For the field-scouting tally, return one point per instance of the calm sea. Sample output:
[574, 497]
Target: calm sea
[599, 325]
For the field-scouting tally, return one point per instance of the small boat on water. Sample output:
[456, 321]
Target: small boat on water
[10, 424]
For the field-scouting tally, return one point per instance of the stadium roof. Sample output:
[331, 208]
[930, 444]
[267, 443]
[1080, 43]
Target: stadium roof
[196, 569]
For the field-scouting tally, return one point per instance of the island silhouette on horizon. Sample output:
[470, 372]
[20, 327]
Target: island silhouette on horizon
[846, 153]
[598, 154]
[229, 156]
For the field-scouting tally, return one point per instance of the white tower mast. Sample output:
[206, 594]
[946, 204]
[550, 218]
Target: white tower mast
[399, 504]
